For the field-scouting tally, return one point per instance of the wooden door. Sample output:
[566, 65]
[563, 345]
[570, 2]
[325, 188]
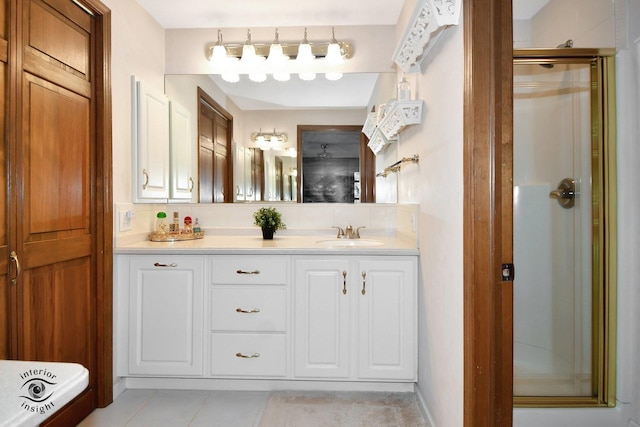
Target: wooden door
[61, 223]
[5, 310]
[215, 130]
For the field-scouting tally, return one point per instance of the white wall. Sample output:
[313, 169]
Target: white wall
[436, 184]
[137, 48]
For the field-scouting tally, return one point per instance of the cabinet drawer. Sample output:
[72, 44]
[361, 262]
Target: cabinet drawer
[249, 270]
[248, 309]
[250, 355]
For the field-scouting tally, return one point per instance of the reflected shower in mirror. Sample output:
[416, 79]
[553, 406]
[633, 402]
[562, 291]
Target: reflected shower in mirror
[276, 175]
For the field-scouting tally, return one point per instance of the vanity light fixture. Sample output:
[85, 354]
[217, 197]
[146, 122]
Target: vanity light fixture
[279, 59]
[269, 141]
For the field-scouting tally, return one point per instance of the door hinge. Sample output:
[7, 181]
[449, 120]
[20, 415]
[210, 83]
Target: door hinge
[508, 272]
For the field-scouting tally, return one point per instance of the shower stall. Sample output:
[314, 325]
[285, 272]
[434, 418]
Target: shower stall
[563, 197]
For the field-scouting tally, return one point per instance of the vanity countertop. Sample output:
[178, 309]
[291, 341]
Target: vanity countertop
[280, 245]
[30, 392]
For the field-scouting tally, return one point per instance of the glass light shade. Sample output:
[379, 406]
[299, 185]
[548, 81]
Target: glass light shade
[307, 76]
[248, 54]
[230, 77]
[305, 56]
[257, 76]
[334, 56]
[276, 56]
[333, 76]
[282, 77]
[219, 55]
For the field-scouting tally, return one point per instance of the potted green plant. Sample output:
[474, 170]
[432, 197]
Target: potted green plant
[270, 220]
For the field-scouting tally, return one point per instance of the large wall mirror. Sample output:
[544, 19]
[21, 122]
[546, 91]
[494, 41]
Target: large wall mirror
[311, 114]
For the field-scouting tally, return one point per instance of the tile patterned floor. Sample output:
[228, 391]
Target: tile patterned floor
[175, 408]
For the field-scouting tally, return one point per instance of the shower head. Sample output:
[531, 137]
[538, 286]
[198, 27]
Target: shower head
[567, 44]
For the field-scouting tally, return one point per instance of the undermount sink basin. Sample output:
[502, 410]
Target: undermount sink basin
[349, 243]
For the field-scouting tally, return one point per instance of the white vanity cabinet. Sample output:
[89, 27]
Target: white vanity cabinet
[182, 147]
[249, 316]
[355, 318]
[150, 126]
[165, 314]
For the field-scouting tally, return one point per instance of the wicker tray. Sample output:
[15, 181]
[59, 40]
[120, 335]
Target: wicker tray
[155, 237]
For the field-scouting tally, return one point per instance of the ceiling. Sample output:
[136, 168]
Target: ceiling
[272, 13]
[290, 13]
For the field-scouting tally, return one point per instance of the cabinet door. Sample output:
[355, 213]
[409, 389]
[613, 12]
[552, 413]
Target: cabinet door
[387, 319]
[166, 315]
[321, 322]
[182, 146]
[150, 123]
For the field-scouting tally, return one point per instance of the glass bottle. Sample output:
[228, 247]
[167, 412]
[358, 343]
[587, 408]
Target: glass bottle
[188, 229]
[161, 223]
[196, 227]
[174, 228]
[404, 90]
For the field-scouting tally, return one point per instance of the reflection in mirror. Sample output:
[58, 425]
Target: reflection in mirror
[335, 164]
[276, 175]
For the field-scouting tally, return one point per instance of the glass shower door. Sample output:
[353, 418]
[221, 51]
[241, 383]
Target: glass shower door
[552, 227]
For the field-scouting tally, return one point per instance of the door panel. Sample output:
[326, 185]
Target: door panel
[57, 161]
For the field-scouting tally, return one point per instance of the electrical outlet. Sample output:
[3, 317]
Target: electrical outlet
[124, 220]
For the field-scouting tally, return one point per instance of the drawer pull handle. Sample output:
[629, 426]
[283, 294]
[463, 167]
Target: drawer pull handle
[364, 282]
[242, 310]
[248, 272]
[248, 356]
[157, 264]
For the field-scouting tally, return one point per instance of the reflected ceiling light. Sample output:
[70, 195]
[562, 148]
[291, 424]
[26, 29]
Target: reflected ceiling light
[269, 141]
[231, 60]
[324, 154]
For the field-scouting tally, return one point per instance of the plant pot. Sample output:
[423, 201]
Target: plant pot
[267, 233]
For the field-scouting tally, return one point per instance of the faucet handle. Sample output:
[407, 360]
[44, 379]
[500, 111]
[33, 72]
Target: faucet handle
[357, 232]
[340, 231]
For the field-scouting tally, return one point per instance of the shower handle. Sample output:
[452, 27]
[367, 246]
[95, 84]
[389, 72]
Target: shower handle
[565, 193]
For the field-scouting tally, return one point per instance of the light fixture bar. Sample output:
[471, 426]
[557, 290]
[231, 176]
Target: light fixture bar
[319, 49]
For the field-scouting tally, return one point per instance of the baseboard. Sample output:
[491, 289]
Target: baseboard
[423, 407]
[261, 385]
[118, 387]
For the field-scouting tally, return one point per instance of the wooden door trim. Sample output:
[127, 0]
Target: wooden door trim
[488, 129]
[103, 200]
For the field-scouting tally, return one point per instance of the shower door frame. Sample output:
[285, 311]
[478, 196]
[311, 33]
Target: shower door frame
[604, 226]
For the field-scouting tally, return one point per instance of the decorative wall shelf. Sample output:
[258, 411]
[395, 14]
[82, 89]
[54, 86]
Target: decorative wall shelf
[427, 23]
[397, 116]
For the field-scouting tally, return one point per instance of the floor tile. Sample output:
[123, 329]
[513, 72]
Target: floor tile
[123, 409]
[231, 408]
